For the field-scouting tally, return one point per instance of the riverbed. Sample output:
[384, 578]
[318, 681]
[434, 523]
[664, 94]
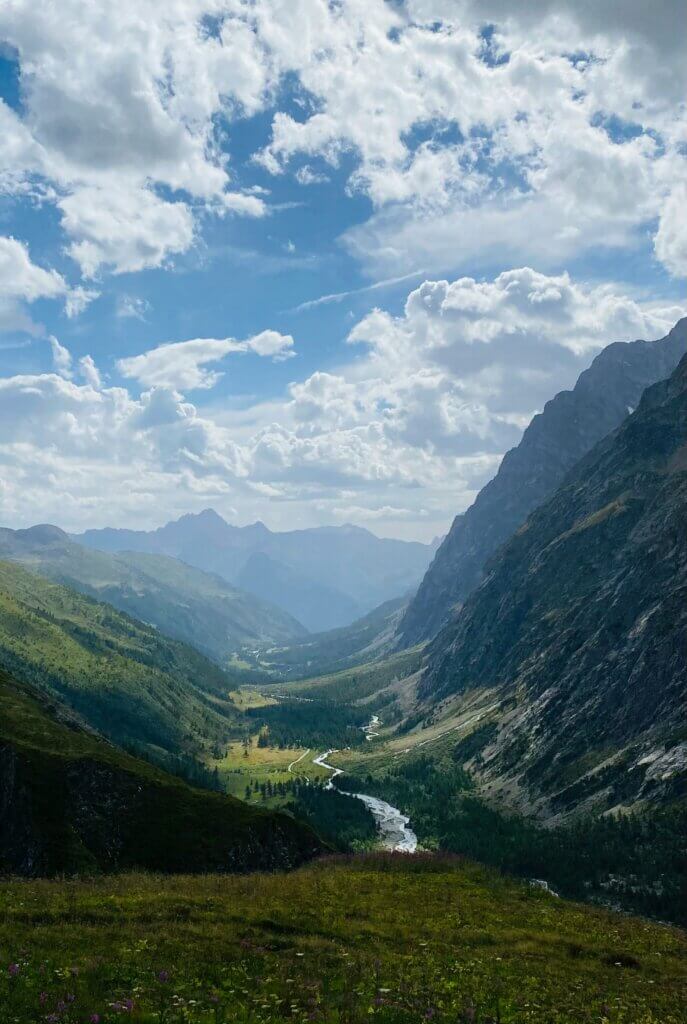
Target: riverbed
[393, 826]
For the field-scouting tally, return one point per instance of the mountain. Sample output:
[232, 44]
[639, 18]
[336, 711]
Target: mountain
[195, 607]
[365, 640]
[579, 630]
[350, 569]
[569, 427]
[123, 677]
[71, 802]
[309, 599]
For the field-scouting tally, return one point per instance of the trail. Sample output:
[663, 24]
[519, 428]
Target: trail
[304, 754]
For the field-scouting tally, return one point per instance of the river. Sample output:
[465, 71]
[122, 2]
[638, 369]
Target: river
[392, 825]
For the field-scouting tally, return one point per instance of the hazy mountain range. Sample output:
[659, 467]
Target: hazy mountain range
[182, 602]
[324, 577]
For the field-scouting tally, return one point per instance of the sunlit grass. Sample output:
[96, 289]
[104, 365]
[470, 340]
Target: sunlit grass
[396, 939]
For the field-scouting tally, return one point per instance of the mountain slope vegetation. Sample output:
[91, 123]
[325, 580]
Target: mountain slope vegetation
[122, 676]
[567, 429]
[579, 630]
[71, 802]
[196, 607]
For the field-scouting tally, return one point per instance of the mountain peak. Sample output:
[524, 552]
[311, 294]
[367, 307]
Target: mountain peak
[43, 533]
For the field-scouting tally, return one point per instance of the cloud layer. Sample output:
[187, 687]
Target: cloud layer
[403, 433]
[546, 128]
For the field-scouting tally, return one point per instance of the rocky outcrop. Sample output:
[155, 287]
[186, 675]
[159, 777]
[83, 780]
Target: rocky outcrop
[569, 427]
[580, 627]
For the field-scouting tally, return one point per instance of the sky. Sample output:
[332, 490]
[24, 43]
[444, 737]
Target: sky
[320, 261]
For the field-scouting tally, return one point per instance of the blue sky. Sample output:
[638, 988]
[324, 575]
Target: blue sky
[490, 203]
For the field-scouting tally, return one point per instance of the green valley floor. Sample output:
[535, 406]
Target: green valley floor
[375, 938]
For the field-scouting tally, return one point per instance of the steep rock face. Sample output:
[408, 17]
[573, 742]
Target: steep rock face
[580, 627]
[569, 427]
[70, 802]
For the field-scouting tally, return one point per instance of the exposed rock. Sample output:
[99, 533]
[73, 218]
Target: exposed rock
[581, 626]
[568, 428]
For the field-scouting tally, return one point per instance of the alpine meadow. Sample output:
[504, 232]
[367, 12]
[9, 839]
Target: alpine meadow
[343, 512]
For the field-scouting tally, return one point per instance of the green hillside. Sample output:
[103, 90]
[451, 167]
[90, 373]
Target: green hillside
[120, 675]
[72, 802]
[188, 604]
[375, 939]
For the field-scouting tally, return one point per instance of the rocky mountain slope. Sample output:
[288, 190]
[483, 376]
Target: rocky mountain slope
[350, 569]
[71, 802]
[122, 676]
[199, 608]
[569, 427]
[579, 630]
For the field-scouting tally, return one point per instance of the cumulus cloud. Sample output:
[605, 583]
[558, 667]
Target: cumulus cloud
[182, 365]
[23, 282]
[124, 229]
[402, 435]
[546, 123]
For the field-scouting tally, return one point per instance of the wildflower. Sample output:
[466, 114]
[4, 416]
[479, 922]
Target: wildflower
[61, 1006]
[43, 998]
[94, 1018]
[13, 970]
[163, 976]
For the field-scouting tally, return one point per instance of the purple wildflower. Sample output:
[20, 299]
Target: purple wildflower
[13, 970]
[94, 1018]
[43, 998]
[163, 976]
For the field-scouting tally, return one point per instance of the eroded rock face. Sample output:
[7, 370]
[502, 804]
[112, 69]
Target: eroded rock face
[580, 625]
[568, 428]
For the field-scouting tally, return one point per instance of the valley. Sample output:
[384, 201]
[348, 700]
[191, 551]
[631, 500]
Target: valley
[516, 767]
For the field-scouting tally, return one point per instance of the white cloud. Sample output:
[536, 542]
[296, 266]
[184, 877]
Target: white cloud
[448, 135]
[132, 306]
[671, 237]
[78, 299]
[61, 357]
[124, 229]
[182, 365]
[89, 371]
[271, 343]
[401, 435]
[23, 282]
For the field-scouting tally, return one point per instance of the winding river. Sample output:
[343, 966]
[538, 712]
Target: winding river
[393, 826]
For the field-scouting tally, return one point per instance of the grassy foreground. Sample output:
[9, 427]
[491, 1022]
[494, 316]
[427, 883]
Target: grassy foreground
[375, 938]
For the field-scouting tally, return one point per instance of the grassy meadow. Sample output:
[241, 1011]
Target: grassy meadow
[378, 937]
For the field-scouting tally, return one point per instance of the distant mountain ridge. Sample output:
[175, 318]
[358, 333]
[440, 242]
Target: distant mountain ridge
[579, 629]
[567, 429]
[185, 603]
[325, 577]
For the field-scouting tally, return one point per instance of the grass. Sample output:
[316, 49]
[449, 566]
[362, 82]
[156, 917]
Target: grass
[374, 938]
[244, 765]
